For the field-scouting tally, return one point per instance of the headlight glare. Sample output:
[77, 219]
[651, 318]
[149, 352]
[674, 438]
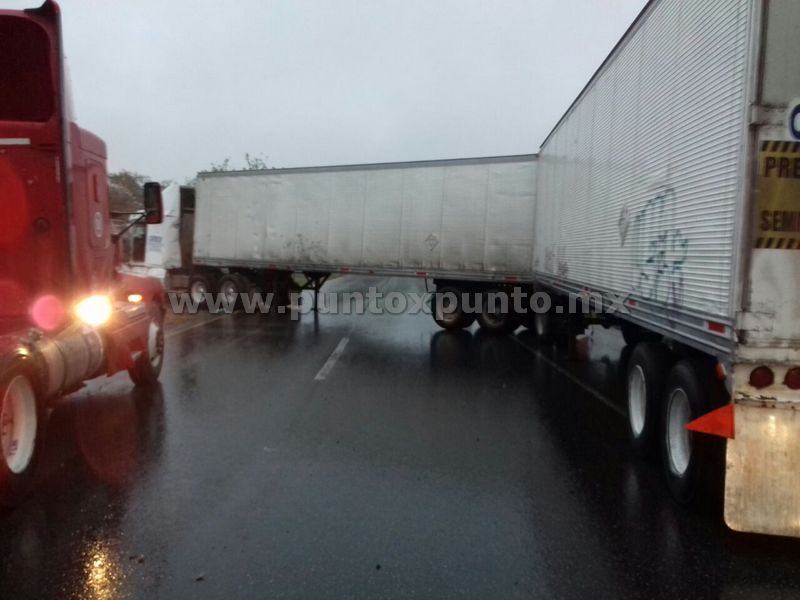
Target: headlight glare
[94, 310]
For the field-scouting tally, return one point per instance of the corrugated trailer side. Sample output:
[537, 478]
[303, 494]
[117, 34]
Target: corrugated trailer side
[640, 184]
[465, 218]
[674, 181]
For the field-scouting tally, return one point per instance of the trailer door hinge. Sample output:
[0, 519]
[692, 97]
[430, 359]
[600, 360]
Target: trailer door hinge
[755, 321]
[763, 115]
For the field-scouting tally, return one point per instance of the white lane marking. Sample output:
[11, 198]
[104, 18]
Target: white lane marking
[584, 386]
[326, 368]
[193, 326]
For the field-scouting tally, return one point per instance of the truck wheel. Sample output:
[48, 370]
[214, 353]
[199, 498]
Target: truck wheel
[231, 288]
[448, 310]
[689, 458]
[199, 286]
[646, 372]
[492, 319]
[634, 334]
[21, 429]
[148, 364]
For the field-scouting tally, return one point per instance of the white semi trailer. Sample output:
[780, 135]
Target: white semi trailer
[673, 180]
[464, 223]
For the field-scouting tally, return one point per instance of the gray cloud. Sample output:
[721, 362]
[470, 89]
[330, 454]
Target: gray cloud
[172, 86]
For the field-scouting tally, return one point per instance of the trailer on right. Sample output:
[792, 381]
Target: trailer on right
[670, 192]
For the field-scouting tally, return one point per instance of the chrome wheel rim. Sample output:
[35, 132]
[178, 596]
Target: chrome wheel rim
[18, 424]
[155, 344]
[198, 291]
[229, 291]
[637, 400]
[679, 444]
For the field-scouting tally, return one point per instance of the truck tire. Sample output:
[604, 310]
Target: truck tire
[147, 368]
[647, 371]
[231, 288]
[21, 431]
[450, 317]
[634, 334]
[199, 286]
[495, 321]
[691, 460]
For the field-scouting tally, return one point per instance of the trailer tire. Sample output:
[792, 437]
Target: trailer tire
[494, 321]
[647, 370]
[231, 288]
[455, 319]
[634, 334]
[199, 286]
[147, 368]
[21, 431]
[689, 459]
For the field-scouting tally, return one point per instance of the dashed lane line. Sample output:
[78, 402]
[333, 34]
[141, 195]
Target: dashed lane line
[328, 366]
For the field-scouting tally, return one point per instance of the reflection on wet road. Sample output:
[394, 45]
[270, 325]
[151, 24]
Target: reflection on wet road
[424, 464]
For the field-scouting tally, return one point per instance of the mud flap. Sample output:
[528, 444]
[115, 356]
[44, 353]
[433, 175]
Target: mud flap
[762, 483]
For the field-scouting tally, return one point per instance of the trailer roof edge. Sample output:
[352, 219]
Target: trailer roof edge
[375, 166]
[617, 47]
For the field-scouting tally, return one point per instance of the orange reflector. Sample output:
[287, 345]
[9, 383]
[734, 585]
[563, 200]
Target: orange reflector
[135, 298]
[718, 422]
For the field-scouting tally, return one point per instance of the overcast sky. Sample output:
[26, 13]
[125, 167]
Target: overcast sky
[175, 85]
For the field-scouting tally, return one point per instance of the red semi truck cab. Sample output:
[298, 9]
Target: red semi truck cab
[67, 314]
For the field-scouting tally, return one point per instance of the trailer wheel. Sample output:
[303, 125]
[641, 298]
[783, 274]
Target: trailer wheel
[690, 459]
[448, 310]
[634, 334]
[231, 288]
[492, 319]
[147, 368]
[647, 369]
[199, 286]
[21, 431]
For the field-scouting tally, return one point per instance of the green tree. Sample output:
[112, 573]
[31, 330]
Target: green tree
[125, 190]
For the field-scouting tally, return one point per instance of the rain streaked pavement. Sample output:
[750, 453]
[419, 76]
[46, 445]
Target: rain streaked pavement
[420, 464]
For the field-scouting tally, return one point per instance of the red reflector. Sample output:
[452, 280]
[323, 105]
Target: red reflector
[718, 422]
[761, 377]
[792, 379]
[344, 270]
[511, 279]
[421, 274]
[716, 327]
[631, 302]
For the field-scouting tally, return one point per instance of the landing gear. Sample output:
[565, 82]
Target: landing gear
[314, 282]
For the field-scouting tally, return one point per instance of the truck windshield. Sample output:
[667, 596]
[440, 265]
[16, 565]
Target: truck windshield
[26, 84]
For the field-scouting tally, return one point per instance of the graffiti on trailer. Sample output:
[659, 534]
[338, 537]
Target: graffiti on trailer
[660, 252]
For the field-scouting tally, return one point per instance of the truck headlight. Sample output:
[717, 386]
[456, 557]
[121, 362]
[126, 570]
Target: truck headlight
[94, 310]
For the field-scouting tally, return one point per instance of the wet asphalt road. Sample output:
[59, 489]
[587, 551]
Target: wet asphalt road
[420, 464]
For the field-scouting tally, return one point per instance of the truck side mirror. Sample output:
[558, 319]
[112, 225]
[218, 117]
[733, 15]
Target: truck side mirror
[153, 205]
